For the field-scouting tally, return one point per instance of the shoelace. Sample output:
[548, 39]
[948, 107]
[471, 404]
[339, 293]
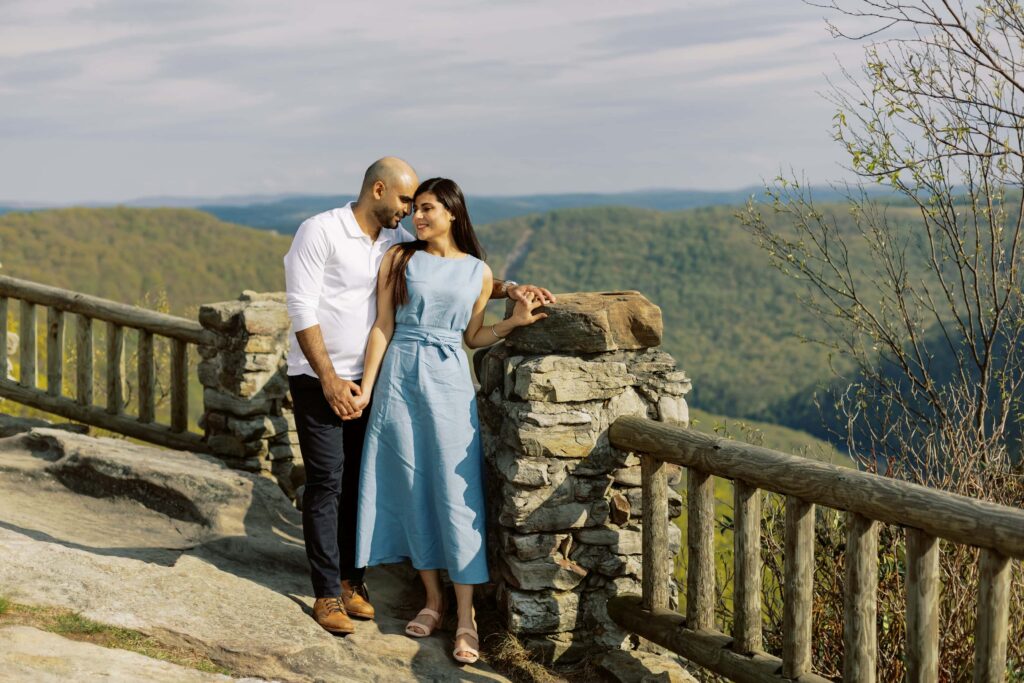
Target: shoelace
[335, 605]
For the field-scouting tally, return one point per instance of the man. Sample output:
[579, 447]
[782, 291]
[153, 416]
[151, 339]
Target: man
[331, 281]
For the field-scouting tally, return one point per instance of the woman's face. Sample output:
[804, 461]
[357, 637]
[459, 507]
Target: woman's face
[430, 218]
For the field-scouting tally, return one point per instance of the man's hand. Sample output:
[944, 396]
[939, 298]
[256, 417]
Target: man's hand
[342, 396]
[519, 292]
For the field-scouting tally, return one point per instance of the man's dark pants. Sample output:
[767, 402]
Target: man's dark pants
[332, 451]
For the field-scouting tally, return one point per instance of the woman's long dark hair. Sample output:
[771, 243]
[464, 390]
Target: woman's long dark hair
[449, 194]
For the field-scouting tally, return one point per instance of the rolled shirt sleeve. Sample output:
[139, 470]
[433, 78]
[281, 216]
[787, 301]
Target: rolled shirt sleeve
[304, 273]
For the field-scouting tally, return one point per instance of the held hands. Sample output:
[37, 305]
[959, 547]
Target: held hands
[344, 397]
[363, 401]
[523, 313]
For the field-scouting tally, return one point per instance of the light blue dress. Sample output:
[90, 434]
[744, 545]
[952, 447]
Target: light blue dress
[421, 492]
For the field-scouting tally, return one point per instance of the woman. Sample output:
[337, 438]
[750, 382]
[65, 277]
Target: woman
[421, 496]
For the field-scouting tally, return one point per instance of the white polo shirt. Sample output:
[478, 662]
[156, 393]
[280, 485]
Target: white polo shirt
[331, 281]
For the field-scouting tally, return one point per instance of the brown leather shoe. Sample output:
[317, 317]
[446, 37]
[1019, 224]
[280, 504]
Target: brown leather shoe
[330, 614]
[357, 600]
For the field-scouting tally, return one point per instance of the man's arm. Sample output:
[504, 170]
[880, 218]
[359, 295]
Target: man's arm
[515, 291]
[340, 393]
[304, 278]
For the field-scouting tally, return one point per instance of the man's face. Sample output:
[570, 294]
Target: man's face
[395, 201]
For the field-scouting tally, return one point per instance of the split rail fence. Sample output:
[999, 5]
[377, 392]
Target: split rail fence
[117, 317]
[927, 514]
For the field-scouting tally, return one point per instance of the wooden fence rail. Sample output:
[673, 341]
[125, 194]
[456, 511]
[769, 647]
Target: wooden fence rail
[117, 317]
[928, 514]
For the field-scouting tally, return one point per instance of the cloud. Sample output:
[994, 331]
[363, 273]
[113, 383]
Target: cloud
[602, 94]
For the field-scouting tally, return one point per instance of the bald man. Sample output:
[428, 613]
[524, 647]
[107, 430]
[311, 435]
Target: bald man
[331, 281]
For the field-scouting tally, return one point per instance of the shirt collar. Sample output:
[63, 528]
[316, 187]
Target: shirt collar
[349, 222]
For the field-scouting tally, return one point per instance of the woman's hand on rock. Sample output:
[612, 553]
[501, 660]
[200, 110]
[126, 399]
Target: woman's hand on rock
[523, 313]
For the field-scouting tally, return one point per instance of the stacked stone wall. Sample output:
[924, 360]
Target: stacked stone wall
[247, 416]
[564, 505]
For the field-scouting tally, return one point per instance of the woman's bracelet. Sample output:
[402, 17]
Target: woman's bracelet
[498, 336]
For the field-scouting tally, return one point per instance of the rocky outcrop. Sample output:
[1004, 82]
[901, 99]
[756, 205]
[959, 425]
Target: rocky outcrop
[565, 505]
[642, 667]
[592, 322]
[28, 654]
[10, 425]
[190, 552]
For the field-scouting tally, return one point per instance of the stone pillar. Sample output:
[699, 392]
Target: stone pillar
[247, 415]
[564, 505]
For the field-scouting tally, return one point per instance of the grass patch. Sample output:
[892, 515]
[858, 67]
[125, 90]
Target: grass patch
[506, 654]
[74, 626]
[71, 623]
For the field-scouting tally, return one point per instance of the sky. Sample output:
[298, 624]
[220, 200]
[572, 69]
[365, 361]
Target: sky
[112, 100]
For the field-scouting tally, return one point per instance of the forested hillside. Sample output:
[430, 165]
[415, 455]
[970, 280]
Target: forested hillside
[731, 320]
[734, 322]
[127, 254]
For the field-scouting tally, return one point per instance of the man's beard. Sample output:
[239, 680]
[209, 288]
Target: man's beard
[385, 218]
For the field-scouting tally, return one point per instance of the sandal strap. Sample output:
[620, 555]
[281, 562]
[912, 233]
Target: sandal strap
[430, 613]
[471, 651]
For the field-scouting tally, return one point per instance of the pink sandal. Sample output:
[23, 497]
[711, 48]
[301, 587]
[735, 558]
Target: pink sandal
[418, 629]
[467, 655]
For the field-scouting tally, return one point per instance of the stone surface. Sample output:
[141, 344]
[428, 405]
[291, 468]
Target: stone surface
[566, 378]
[181, 548]
[10, 425]
[591, 488]
[549, 612]
[28, 654]
[627, 476]
[642, 667]
[621, 541]
[525, 471]
[601, 559]
[618, 509]
[636, 502]
[673, 409]
[12, 343]
[530, 546]
[592, 322]
[236, 405]
[544, 573]
[489, 366]
[537, 513]
[252, 295]
[259, 427]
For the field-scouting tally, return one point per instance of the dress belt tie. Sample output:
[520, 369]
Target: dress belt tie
[448, 342]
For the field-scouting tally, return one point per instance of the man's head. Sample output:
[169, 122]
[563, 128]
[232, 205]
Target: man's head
[387, 190]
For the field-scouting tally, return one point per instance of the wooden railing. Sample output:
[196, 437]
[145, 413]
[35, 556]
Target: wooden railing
[117, 317]
[927, 514]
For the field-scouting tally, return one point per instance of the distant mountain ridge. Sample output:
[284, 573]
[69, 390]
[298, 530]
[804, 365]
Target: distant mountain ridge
[284, 212]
